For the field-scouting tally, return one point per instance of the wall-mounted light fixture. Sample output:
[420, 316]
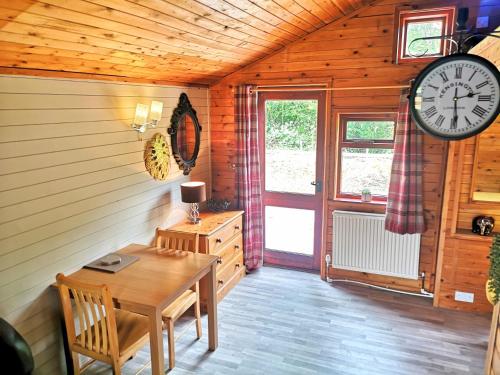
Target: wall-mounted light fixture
[141, 123]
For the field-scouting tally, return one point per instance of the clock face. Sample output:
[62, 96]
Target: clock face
[456, 96]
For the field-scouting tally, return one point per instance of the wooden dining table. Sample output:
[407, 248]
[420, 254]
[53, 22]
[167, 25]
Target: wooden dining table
[150, 284]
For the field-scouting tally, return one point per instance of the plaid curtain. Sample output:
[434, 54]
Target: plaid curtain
[404, 212]
[248, 175]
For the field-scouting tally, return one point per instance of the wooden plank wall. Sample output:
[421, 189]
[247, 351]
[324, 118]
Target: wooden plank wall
[463, 259]
[354, 51]
[73, 187]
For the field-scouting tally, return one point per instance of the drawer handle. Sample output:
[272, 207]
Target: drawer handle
[220, 282]
[219, 261]
[237, 265]
[236, 246]
[218, 240]
[237, 227]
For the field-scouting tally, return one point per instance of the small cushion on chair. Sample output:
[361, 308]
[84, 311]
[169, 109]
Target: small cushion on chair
[180, 305]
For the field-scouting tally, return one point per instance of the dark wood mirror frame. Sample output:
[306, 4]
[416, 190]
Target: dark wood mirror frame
[184, 108]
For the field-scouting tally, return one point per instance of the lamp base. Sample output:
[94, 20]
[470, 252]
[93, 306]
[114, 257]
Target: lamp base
[194, 214]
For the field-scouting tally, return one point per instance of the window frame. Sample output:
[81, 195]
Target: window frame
[343, 142]
[405, 17]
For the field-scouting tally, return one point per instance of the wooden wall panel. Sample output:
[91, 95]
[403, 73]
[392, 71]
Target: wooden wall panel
[463, 256]
[354, 51]
[73, 187]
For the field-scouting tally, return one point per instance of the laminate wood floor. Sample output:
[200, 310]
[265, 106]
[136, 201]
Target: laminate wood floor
[279, 321]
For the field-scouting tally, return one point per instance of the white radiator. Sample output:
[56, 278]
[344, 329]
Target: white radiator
[361, 243]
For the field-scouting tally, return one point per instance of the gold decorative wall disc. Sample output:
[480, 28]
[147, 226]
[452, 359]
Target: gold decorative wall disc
[157, 157]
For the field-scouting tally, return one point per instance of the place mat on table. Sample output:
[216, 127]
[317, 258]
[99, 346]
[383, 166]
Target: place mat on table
[126, 260]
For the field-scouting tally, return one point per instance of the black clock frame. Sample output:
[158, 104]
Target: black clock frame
[184, 108]
[422, 75]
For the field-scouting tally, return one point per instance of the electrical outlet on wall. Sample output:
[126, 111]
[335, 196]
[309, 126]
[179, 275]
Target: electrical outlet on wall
[464, 297]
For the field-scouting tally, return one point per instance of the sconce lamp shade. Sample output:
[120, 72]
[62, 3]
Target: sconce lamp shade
[141, 114]
[156, 109]
[193, 192]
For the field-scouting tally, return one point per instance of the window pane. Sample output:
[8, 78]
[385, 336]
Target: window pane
[371, 130]
[289, 229]
[291, 145]
[416, 30]
[365, 168]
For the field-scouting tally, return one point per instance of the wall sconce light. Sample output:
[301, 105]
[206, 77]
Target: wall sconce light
[141, 123]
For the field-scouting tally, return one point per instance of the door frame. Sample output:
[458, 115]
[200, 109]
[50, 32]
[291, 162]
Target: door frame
[314, 202]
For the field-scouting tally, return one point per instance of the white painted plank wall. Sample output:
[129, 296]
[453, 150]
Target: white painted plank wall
[73, 187]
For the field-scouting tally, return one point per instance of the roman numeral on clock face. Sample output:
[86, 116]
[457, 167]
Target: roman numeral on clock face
[430, 111]
[479, 111]
[484, 98]
[434, 87]
[444, 76]
[429, 99]
[473, 74]
[467, 121]
[439, 121]
[482, 84]
[458, 72]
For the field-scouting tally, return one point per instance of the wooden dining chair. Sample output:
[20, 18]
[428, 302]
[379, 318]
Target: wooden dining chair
[106, 334]
[166, 242]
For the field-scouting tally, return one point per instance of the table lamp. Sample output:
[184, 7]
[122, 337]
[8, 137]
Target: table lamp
[193, 192]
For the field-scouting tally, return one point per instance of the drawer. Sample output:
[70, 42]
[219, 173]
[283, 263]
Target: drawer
[229, 251]
[230, 284]
[234, 265]
[219, 239]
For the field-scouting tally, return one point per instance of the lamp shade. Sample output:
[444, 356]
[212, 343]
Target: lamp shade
[193, 192]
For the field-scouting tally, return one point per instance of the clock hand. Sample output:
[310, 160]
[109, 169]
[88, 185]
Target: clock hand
[469, 95]
[455, 110]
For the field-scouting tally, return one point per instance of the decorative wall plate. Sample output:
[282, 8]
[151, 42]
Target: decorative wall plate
[157, 157]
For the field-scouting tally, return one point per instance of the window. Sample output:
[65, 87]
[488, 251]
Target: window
[365, 152]
[419, 24]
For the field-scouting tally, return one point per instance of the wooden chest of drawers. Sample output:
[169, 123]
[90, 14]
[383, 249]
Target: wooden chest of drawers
[221, 235]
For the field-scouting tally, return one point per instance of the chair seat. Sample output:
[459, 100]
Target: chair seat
[132, 329]
[179, 306]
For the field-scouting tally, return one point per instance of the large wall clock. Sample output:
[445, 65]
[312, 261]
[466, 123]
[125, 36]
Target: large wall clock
[456, 96]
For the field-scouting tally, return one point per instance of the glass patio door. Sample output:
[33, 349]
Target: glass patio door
[291, 128]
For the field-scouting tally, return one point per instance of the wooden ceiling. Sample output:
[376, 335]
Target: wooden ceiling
[160, 41]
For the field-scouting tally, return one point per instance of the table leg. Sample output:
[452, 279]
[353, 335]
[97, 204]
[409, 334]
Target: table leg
[156, 343]
[212, 308]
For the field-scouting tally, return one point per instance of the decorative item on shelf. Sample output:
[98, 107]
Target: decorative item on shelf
[483, 225]
[366, 195]
[456, 96]
[157, 157]
[194, 192]
[493, 283]
[184, 133]
[141, 123]
[217, 205]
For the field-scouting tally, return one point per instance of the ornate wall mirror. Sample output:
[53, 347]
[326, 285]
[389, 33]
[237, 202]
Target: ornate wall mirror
[185, 134]
[485, 184]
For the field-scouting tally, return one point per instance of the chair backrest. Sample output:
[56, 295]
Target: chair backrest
[96, 317]
[172, 240]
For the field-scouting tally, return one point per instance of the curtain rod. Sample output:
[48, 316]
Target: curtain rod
[320, 88]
